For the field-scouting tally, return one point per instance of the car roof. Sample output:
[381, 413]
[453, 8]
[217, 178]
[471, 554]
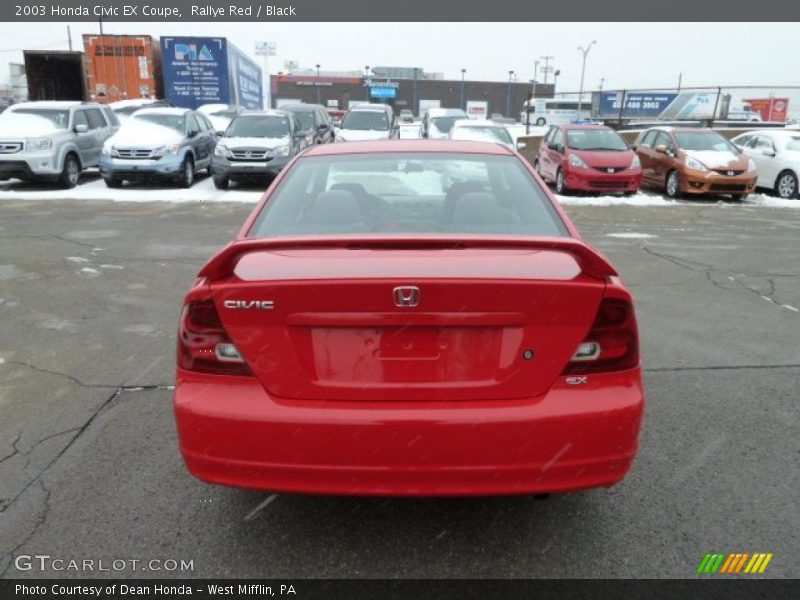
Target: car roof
[300, 106]
[372, 107]
[445, 112]
[162, 110]
[54, 104]
[263, 113]
[675, 129]
[421, 146]
[584, 126]
[769, 131]
[477, 123]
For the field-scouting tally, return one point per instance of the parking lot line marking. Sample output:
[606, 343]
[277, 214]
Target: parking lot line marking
[790, 307]
[251, 515]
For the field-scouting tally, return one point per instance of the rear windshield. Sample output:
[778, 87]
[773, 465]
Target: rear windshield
[305, 117]
[704, 140]
[595, 139]
[175, 122]
[266, 127]
[409, 193]
[59, 118]
[366, 120]
[482, 134]
[444, 124]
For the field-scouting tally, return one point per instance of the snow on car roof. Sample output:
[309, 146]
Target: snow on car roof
[418, 146]
[161, 110]
[54, 104]
[131, 102]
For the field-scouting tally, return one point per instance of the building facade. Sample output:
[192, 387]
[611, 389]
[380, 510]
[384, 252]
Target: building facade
[413, 94]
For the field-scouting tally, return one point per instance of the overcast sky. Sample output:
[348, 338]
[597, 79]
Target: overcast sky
[626, 55]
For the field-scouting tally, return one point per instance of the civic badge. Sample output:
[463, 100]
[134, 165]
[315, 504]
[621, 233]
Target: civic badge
[406, 296]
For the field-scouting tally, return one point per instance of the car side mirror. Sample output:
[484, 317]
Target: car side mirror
[322, 126]
[192, 133]
[661, 149]
[634, 147]
[81, 128]
[768, 152]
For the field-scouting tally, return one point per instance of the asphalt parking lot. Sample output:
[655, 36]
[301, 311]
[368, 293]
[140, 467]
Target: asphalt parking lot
[90, 293]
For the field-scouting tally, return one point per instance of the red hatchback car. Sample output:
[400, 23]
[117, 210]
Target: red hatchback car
[588, 158]
[408, 318]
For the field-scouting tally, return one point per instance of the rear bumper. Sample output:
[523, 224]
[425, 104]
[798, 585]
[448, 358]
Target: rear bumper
[233, 433]
[714, 183]
[592, 180]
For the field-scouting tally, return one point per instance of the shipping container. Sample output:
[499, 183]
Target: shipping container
[122, 67]
[202, 70]
[55, 75]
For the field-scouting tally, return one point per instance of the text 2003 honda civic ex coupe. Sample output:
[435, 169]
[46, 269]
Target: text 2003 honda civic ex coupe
[408, 318]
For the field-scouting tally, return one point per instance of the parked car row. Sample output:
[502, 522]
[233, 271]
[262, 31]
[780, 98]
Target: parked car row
[53, 141]
[674, 160]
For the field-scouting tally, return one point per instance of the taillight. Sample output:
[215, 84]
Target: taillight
[204, 345]
[612, 343]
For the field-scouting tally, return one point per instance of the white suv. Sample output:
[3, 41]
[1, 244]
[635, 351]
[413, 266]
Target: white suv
[52, 140]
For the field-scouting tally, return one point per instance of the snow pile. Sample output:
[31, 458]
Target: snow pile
[639, 199]
[771, 201]
[96, 189]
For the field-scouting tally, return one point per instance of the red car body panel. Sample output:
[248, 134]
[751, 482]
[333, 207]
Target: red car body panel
[469, 393]
[606, 170]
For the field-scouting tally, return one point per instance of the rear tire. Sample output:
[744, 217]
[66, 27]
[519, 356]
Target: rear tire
[786, 185]
[186, 178]
[673, 185]
[221, 183]
[561, 185]
[71, 172]
[113, 182]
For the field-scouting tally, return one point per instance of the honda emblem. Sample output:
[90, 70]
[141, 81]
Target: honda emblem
[731, 173]
[407, 295]
[610, 170]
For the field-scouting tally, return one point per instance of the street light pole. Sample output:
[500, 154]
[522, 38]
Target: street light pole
[317, 85]
[463, 93]
[508, 96]
[366, 82]
[585, 52]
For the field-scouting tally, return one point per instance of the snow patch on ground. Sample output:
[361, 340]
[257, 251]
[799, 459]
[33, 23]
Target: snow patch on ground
[771, 201]
[632, 235]
[96, 189]
[639, 199]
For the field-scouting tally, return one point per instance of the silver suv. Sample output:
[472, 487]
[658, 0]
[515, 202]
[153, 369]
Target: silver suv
[53, 141]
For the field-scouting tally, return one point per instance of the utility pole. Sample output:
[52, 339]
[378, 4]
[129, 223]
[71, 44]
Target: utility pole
[463, 91]
[585, 52]
[508, 96]
[69, 38]
[316, 84]
[602, 79]
[680, 78]
[366, 82]
[547, 68]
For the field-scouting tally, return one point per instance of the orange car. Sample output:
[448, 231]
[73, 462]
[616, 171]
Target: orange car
[685, 160]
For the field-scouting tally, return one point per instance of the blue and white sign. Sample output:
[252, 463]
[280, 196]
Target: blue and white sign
[199, 70]
[383, 92]
[638, 105]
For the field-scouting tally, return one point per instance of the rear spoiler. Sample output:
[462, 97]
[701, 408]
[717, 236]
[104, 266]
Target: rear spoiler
[590, 261]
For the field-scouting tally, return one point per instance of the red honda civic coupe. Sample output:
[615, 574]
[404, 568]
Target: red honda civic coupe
[588, 158]
[409, 318]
